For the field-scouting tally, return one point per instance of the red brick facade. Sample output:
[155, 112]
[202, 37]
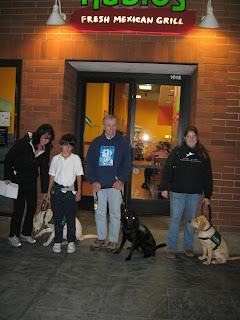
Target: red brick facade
[48, 88]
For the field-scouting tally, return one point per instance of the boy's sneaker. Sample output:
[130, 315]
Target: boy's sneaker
[28, 239]
[112, 246]
[97, 244]
[14, 241]
[71, 247]
[57, 247]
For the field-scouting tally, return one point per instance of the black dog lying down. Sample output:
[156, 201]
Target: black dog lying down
[139, 235]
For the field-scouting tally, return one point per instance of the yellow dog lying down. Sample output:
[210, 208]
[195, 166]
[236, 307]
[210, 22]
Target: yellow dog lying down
[43, 218]
[213, 243]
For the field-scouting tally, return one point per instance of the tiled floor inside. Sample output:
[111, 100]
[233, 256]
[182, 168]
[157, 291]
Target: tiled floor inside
[98, 285]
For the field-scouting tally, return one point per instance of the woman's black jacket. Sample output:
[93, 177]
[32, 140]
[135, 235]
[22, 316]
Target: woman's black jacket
[21, 165]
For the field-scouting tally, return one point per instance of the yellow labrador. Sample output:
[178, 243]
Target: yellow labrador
[213, 243]
[44, 218]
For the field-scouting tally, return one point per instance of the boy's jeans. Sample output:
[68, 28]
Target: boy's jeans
[63, 204]
[179, 201]
[114, 199]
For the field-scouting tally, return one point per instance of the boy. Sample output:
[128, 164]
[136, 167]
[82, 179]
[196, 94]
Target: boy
[65, 168]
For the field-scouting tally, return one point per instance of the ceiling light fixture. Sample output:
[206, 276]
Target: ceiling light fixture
[146, 87]
[56, 17]
[209, 21]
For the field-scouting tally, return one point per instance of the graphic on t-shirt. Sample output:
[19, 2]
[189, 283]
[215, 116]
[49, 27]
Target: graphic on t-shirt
[189, 154]
[106, 155]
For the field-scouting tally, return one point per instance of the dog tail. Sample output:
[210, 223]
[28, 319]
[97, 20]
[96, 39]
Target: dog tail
[88, 236]
[233, 258]
[160, 245]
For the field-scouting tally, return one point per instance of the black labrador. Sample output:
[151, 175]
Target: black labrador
[139, 235]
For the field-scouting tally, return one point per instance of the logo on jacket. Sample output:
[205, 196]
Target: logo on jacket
[189, 154]
[106, 155]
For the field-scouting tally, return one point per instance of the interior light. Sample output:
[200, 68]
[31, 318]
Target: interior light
[146, 87]
[145, 137]
[56, 17]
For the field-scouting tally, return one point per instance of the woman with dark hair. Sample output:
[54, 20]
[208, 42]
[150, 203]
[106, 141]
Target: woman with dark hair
[41, 131]
[21, 166]
[188, 171]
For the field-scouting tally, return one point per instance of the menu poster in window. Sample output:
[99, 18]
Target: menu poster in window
[3, 136]
[4, 119]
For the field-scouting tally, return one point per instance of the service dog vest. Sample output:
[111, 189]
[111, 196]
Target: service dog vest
[216, 238]
[142, 227]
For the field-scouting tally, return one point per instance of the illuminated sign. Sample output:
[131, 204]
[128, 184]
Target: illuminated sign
[127, 3]
[123, 20]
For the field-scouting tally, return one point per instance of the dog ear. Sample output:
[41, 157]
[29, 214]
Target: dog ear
[201, 226]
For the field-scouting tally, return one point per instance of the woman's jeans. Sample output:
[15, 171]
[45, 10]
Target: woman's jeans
[179, 202]
[114, 199]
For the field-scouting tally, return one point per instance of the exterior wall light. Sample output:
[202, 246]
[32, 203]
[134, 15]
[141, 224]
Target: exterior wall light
[209, 21]
[56, 17]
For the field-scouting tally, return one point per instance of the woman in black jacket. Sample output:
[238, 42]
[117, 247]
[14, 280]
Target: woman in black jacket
[188, 171]
[21, 166]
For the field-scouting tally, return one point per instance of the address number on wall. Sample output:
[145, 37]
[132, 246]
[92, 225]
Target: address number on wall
[176, 77]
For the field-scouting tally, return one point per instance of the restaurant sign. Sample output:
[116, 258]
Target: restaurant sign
[149, 20]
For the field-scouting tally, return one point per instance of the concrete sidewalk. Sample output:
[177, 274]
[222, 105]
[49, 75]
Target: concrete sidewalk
[38, 284]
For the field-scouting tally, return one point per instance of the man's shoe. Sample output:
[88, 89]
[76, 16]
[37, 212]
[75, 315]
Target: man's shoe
[71, 247]
[97, 244]
[171, 254]
[112, 246]
[14, 241]
[57, 247]
[189, 253]
[28, 239]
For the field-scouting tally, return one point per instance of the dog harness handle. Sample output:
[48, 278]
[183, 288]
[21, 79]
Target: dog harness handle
[209, 212]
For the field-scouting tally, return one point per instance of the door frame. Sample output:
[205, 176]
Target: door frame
[158, 207]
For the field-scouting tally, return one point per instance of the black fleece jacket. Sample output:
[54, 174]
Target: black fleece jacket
[21, 159]
[187, 172]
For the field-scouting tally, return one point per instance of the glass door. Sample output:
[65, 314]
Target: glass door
[102, 99]
[150, 115]
[155, 133]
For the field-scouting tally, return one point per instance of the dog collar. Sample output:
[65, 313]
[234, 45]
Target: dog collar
[207, 228]
[44, 222]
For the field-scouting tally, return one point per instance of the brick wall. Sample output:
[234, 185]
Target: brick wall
[47, 94]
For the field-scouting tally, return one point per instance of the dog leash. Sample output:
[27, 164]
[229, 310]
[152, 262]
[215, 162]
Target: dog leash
[209, 212]
[44, 205]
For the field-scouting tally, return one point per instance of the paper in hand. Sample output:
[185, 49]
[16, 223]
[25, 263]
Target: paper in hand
[9, 190]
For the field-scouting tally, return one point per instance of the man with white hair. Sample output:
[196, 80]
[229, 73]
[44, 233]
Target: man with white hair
[108, 168]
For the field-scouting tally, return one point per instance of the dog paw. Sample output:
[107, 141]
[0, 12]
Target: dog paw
[218, 261]
[45, 244]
